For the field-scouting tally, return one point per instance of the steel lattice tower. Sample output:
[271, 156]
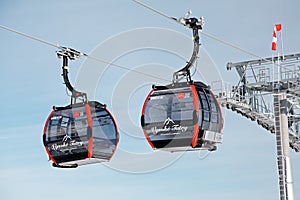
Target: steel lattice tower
[269, 92]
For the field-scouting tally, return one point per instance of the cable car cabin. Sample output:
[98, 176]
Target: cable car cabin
[182, 116]
[79, 134]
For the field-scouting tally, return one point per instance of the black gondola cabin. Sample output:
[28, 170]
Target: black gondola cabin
[81, 133]
[181, 117]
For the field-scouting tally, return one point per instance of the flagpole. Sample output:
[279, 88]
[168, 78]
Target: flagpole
[281, 38]
[279, 68]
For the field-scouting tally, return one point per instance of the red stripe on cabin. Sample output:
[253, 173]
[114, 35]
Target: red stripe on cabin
[196, 108]
[45, 130]
[143, 114]
[90, 125]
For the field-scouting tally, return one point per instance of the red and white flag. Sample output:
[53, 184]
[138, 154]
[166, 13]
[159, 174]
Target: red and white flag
[274, 41]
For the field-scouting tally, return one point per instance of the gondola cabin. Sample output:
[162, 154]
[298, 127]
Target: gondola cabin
[80, 134]
[182, 116]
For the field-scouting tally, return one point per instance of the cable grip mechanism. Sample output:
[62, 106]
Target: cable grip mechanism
[66, 54]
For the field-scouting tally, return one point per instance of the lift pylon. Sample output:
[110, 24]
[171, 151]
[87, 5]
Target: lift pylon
[268, 92]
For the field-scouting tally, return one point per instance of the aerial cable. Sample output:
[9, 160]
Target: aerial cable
[31, 37]
[127, 68]
[154, 10]
[78, 54]
[203, 33]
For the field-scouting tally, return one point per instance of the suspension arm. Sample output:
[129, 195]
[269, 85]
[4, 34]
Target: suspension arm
[192, 23]
[195, 25]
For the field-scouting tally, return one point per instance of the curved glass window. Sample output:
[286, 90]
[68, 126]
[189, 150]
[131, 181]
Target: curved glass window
[205, 106]
[104, 132]
[176, 106]
[170, 112]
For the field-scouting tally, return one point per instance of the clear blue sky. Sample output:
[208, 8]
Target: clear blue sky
[244, 167]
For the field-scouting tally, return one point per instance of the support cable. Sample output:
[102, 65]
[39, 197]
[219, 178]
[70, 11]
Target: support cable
[127, 68]
[80, 53]
[203, 33]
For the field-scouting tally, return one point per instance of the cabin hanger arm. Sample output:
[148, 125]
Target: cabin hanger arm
[66, 54]
[196, 25]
